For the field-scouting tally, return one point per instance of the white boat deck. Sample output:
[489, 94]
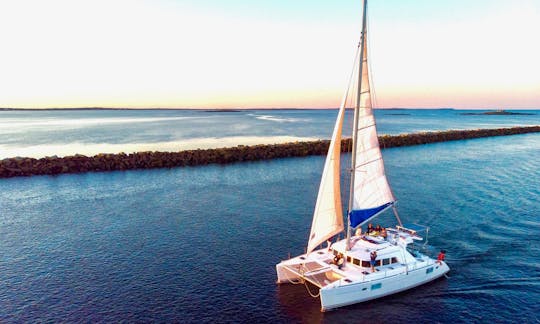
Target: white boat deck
[318, 268]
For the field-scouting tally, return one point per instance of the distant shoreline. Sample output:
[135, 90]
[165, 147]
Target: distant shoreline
[497, 113]
[17, 167]
[489, 112]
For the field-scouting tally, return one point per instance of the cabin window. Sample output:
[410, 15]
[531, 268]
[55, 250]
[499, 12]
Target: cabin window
[394, 260]
[378, 263]
[366, 264]
[356, 262]
[386, 261]
[376, 286]
[348, 259]
[429, 270]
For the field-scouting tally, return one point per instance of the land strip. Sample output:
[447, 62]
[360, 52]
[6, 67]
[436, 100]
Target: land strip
[16, 167]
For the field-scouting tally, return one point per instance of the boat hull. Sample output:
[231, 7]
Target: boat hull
[284, 275]
[338, 296]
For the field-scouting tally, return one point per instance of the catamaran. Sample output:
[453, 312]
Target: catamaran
[368, 265]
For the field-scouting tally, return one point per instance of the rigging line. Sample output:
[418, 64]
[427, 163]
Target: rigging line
[309, 291]
[351, 119]
[302, 270]
[349, 82]
[368, 126]
[351, 78]
[351, 98]
[366, 163]
[374, 103]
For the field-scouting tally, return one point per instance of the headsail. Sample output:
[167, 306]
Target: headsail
[328, 215]
[372, 193]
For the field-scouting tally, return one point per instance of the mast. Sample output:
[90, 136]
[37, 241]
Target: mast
[355, 122]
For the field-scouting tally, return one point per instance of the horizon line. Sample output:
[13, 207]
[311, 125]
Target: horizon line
[254, 108]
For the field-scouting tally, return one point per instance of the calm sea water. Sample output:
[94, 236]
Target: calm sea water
[200, 244]
[89, 132]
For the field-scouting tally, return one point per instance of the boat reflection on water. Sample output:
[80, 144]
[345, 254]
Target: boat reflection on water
[298, 305]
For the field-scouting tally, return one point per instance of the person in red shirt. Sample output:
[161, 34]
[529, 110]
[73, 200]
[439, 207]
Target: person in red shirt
[440, 257]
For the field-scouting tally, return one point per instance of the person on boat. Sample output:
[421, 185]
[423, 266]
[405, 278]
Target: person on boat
[358, 231]
[378, 229]
[383, 233]
[373, 257]
[370, 229]
[441, 256]
[341, 261]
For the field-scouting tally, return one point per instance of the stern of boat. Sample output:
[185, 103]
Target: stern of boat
[284, 274]
[316, 268]
[444, 268]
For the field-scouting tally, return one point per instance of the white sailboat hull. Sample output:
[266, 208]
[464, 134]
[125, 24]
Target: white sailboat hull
[334, 297]
[398, 268]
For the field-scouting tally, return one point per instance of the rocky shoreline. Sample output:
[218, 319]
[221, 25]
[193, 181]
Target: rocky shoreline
[498, 112]
[16, 167]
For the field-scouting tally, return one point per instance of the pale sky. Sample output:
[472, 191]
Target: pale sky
[266, 53]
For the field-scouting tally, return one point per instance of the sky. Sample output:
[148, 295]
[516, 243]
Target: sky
[267, 53]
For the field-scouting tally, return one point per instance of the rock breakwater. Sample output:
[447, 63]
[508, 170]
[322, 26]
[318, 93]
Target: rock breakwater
[15, 167]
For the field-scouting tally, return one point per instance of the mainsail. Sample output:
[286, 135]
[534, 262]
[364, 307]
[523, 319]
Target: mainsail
[372, 193]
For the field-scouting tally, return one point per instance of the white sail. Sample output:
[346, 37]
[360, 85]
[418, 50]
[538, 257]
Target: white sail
[372, 192]
[328, 215]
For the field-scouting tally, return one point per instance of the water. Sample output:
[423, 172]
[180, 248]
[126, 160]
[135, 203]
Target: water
[200, 244]
[89, 132]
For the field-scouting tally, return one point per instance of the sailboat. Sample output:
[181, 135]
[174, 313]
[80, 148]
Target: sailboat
[375, 263]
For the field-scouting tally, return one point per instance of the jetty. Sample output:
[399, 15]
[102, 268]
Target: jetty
[24, 166]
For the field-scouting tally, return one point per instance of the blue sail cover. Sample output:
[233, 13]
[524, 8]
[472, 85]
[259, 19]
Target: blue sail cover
[362, 215]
